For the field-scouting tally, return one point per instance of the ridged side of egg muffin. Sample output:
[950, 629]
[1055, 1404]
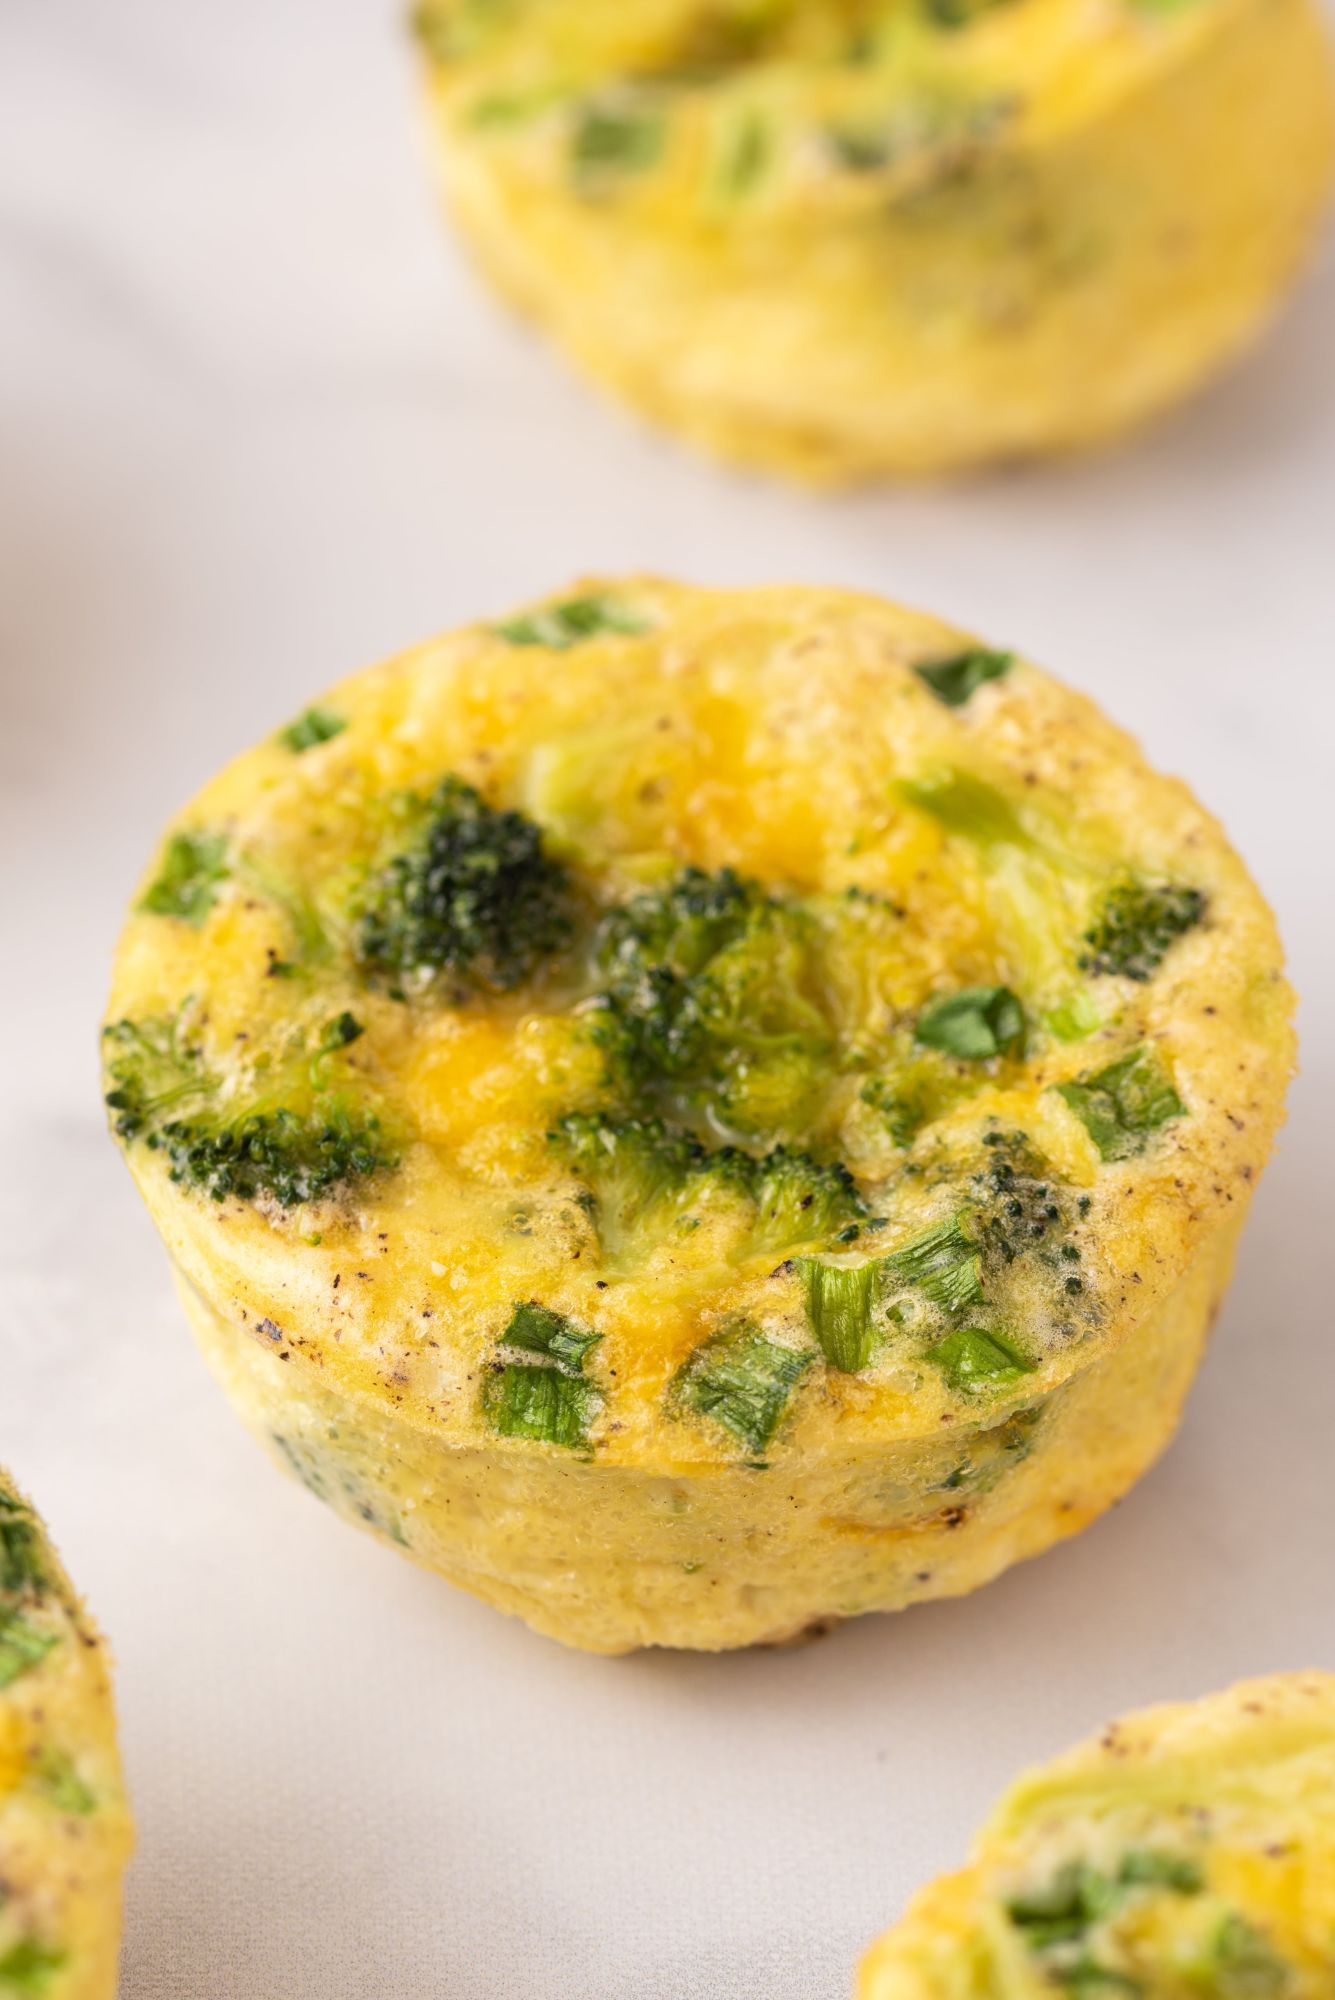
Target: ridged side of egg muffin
[699, 1113]
[886, 236]
[1187, 1851]
[65, 1831]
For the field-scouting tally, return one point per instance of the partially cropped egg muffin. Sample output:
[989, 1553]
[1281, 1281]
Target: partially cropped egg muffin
[64, 1825]
[845, 238]
[701, 1112]
[1187, 1853]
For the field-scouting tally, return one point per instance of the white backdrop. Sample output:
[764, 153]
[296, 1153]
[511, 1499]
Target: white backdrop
[260, 428]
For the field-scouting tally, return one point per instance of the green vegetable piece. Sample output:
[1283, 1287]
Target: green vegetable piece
[974, 1025]
[1122, 1106]
[1064, 1908]
[560, 626]
[22, 1646]
[1240, 1963]
[22, 1564]
[972, 1359]
[955, 679]
[296, 1144]
[27, 1969]
[959, 13]
[153, 1070]
[542, 1404]
[59, 1781]
[969, 806]
[536, 1329]
[1136, 925]
[799, 1200]
[317, 725]
[746, 153]
[645, 1180]
[611, 141]
[945, 1264]
[340, 1032]
[1088, 1974]
[187, 883]
[1073, 1018]
[1152, 1867]
[839, 1301]
[743, 1381]
[475, 896]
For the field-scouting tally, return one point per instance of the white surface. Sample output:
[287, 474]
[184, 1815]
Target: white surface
[260, 428]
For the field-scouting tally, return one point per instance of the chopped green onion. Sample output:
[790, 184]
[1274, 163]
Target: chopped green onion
[536, 1329]
[560, 626]
[608, 142]
[972, 1359]
[1123, 1105]
[945, 1264]
[540, 1403]
[839, 1299]
[964, 804]
[743, 1381]
[955, 679]
[973, 1025]
[317, 725]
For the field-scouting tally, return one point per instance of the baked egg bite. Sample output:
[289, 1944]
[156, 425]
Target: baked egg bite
[65, 1832]
[1187, 1853]
[698, 1113]
[847, 238]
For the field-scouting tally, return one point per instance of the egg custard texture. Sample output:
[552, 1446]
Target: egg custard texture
[701, 1112]
[1188, 1853]
[842, 238]
[64, 1825]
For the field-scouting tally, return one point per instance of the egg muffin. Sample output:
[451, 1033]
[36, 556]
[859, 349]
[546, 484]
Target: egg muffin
[848, 238]
[699, 1113]
[1188, 1851]
[64, 1825]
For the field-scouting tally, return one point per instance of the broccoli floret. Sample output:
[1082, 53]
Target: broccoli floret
[186, 885]
[154, 1071]
[288, 1136]
[1021, 1205]
[22, 1563]
[714, 1004]
[646, 1181]
[474, 896]
[798, 1200]
[1136, 925]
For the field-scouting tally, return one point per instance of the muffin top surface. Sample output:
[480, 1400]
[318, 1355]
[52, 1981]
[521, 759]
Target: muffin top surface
[1188, 1850]
[739, 1011]
[63, 1826]
[741, 109]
